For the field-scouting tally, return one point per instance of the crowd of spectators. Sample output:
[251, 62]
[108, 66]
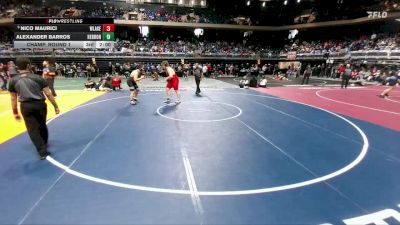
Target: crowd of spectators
[27, 10]
[161, 14]
[199, 48]
[360, 73]
[105, 11]
[7, 9]
[111, 79]
[223, 48]
[10, 9]
[165, 15]
[382, 42]
[388, 5]
[5, 40]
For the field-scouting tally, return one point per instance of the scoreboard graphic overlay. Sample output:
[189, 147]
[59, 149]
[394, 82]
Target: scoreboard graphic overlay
[64, 33]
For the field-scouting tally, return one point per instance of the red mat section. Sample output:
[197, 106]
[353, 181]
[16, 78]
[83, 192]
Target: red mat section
[360, 103]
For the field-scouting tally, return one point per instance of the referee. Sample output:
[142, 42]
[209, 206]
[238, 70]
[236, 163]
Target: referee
[29, 89]
[198, 76]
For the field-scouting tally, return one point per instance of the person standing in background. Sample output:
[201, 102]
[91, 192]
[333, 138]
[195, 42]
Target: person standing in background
[28, 89]
[110, 68]
[3, 76]
[48, 74]
[205, 70]
[186, 71]
[209, 70]
[346, 75]
[11, 69]
[307, 74]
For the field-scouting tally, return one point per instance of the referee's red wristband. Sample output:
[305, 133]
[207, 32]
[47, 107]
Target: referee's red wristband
[15, 111]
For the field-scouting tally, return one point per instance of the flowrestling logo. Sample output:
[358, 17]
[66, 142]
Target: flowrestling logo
[377, 14]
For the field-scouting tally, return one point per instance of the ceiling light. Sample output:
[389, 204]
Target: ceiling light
[285, 2]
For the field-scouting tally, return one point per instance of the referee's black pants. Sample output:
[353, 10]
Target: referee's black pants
[50, 82]
[35, 113]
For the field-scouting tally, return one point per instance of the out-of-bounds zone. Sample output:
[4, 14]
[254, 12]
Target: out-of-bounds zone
[66, 100]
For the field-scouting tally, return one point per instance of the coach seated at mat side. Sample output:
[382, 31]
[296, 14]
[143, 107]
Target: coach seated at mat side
[90, 85]
[263, 82]
[116, 82]
[103, 85]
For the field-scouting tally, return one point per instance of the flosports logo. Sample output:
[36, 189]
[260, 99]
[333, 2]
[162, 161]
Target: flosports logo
[377, 14]
[379, 217]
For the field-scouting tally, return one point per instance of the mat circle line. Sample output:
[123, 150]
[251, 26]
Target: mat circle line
[391, 100]
[359, 158]
[202, 121]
